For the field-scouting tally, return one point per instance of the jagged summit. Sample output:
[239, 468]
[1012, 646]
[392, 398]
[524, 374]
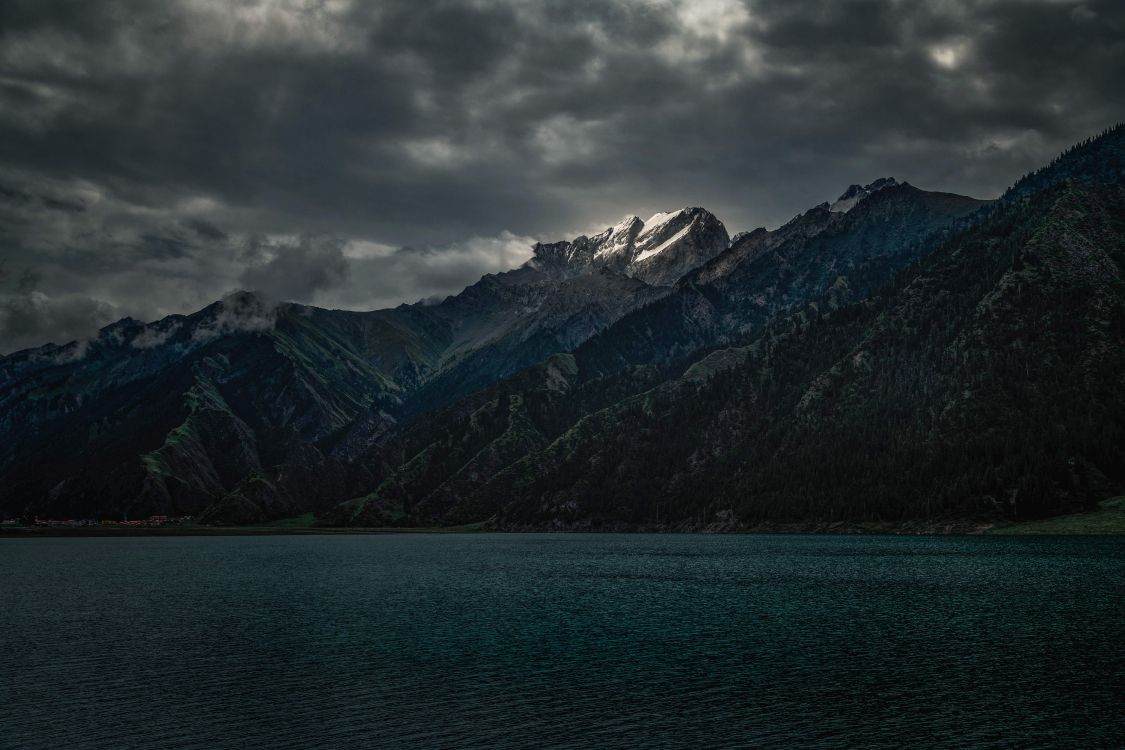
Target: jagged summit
[855, 193]
[616, 242]
[658, 251]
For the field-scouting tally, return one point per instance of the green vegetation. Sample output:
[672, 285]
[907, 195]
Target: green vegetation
[303, 521]
[1108, 519]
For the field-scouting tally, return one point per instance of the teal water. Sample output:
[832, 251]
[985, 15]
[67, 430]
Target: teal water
[562, 641]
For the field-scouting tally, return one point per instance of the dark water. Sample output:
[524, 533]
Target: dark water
[504, 641]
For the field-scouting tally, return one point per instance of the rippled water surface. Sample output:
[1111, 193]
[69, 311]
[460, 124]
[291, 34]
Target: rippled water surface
[550, 641]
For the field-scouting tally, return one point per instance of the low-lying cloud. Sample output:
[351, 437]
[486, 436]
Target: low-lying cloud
[297, 270]
[34, 318]
[379, 275]
[239, 312]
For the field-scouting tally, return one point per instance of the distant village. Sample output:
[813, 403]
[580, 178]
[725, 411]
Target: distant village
[78, 523]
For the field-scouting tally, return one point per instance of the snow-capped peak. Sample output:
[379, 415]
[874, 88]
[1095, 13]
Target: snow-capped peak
[617, 240]
[658, 220]
[626, 223]
[657, 251]
[855, 193]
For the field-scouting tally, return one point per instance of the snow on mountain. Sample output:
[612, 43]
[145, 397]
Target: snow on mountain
[617, 241]
[659, 220]
[651, 251]
[657, 251]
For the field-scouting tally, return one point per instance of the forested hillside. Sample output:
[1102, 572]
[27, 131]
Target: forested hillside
[984, 382]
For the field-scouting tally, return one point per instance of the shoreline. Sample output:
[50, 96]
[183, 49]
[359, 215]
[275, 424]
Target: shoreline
[31, 532]
[262, 531]
[1108, 520]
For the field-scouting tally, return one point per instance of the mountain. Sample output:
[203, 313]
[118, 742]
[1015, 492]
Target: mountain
[1097, 160]
[842, 256]
[568, 292]
[985, 384]
[830, 257]
[897, 356]
[244, 406]
[167, 417]
[508, 321]
[980, 382]
[658, 251]
[856, 193]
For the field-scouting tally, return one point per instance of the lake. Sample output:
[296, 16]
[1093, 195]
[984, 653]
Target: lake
[562, 641]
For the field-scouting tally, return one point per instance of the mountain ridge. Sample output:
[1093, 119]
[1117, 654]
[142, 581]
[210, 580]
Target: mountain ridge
[607, 466]
[425, 414]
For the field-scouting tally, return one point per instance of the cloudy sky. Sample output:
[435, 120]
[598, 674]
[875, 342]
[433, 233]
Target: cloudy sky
[156, 155]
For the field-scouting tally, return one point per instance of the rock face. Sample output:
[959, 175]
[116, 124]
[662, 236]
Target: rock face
[855, 193]
[672, 244]
[508, 321]
[612, 248]
[658, 251]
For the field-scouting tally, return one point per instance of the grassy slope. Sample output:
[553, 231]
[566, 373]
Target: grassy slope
[1109, 519]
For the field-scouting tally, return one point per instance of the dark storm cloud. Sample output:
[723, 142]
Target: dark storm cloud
[154, 156]
[30, 318]
[297, 271]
